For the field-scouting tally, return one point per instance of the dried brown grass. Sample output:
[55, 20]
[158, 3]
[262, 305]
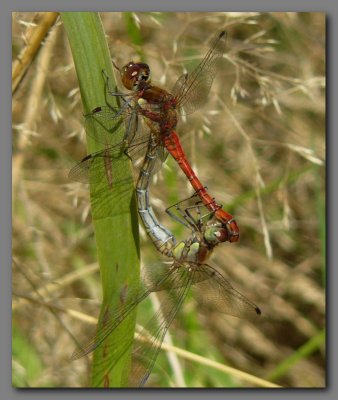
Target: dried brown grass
[259, 146]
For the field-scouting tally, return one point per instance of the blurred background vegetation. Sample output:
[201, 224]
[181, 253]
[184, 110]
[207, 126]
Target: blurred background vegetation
[259, 146]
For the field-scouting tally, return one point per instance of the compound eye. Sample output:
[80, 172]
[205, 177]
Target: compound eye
[216, 235]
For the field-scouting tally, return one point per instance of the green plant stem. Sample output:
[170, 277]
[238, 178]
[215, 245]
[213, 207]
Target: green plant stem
[116, 233]
[303, 352]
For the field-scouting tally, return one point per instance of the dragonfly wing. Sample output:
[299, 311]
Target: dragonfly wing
[110, 187]
[208, 284]
[105, 171]
[112, 320]
[162, 155]
[191, 90]
[175, 276]
[134, 294]
[110, 125]
[93, 167]
[146, 349]
[217, 292]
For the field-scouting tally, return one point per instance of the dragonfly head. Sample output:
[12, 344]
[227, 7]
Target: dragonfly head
[215, 234]
[135, 76]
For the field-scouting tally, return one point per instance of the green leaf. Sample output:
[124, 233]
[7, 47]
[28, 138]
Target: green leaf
[116, 233]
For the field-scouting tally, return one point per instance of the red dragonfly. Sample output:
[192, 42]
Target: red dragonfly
[159, 109]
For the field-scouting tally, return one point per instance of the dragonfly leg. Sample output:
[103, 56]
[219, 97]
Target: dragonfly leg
[185, 217]
[181, 219]
[201, 218]
[126, 153]
[109, 91]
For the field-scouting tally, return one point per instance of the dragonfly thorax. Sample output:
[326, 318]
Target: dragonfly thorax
[158, 108]
[192, 250]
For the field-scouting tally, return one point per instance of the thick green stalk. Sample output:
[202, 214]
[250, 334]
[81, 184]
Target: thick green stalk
[116, 230]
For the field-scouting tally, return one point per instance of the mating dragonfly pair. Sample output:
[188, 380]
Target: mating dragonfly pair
[188, 270]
